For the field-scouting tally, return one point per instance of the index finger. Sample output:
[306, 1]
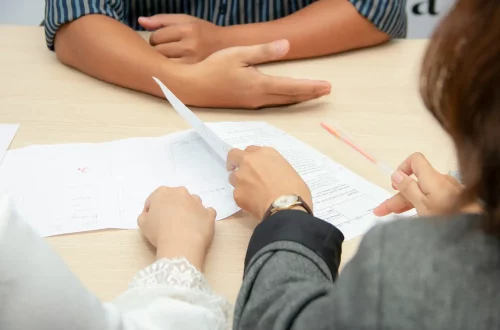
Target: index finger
[396, 204]
[234, 159]
[169, 19]
[165, 35]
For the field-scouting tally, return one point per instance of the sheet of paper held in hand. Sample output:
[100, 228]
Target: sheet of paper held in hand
[80, 187]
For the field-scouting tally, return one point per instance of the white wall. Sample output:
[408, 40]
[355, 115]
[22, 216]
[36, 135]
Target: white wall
[22, 12]
[420, 14]
[423, 16]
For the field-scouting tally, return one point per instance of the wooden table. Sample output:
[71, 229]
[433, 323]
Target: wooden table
[374, 97]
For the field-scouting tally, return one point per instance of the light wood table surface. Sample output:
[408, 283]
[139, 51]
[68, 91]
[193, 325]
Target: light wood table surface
[374, 97]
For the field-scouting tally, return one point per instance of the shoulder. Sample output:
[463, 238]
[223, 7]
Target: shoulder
[388, 16]
[422, 241]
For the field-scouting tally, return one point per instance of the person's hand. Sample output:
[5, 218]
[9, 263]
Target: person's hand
[433, 194]
[177, 224]
[182, 37]
[227, 79]
[260, 175]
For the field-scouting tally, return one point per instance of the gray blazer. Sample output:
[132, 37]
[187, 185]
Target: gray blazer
[425, 273]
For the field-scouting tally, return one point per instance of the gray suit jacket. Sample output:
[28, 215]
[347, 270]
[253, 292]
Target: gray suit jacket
[425, 273]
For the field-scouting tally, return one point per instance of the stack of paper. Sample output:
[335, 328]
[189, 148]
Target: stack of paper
[79, 187]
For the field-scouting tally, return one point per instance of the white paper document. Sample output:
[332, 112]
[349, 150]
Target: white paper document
[7, 133]
[80, 187]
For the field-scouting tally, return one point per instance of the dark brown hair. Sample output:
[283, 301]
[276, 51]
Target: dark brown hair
[460, 85]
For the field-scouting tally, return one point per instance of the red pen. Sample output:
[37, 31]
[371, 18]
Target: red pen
[337, 132]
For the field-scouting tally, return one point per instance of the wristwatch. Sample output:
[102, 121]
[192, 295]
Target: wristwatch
[286, 202]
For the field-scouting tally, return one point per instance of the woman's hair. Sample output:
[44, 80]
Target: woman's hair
[460, 85]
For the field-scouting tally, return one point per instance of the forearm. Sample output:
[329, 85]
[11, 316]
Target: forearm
[106, 49]
[291, 263]
[284, 282]
[324, 27]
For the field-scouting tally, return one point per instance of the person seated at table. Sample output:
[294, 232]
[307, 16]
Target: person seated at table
[97, 38]
[38, 291]
[439, 271]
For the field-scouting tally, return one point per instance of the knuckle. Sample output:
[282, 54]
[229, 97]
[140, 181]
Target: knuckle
[411, 189]
[244, 159]
[162, 190]
[237, 175]
[238, 196]
[211, 212]
[232, 180]
[182, 191]
[186, 29]
[270, 150]
[252, 148]
[155, 37]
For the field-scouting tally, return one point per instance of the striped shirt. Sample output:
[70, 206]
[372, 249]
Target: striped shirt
[388, 16]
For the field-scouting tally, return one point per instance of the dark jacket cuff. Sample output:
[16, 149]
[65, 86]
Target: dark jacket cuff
[296, 226]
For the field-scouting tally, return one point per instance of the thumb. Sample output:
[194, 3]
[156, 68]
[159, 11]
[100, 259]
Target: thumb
[151, 23]
[263, 53]
[141, 220]
[409, 188]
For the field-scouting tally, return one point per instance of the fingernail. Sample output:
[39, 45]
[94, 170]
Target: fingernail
[396, 177]
[326, 91]
[281, 46]
[143, 18]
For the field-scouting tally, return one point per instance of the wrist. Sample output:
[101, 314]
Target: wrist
[224, 38]
[194, 251]
[299, 208]
[176, 76]
[288, 202]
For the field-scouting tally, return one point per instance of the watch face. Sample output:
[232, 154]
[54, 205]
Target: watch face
[285, 201]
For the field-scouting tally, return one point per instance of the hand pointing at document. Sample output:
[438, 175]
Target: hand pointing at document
[228, 79]
[430, 194]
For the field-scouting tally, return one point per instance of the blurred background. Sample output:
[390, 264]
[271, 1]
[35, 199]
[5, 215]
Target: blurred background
[423, 15]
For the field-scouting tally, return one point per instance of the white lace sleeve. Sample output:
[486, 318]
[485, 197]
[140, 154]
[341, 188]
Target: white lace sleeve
[176, 290]
[167, 295]
[175, 272]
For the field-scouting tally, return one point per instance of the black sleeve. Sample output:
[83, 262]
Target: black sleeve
[300, 227]
[290, 278]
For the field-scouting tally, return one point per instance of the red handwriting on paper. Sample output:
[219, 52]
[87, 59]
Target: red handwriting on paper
[83, 169]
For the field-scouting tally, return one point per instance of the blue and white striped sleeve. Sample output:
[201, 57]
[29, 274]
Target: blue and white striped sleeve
[388, 16]
[60, 12]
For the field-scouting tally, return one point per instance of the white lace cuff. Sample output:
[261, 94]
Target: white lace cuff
[177, 272]
[178, 279]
